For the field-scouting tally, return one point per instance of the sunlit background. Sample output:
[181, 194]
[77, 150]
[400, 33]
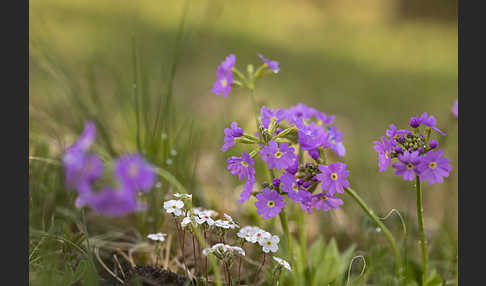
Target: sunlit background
[370, 63]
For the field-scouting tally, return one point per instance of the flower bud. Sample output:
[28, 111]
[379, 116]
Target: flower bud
[433, 144]
[414, 122]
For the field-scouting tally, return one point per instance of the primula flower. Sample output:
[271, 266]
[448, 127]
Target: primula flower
[288, 183]
[115, 202]
[384, 149]
[241, 166]
[394, 131]
[434, 167]
[311, 137]
[278, 156]
[269, 203]
[270, 243]
[300, 112]
[230, 134]
[267, 115]
[455, 109]
[247, 189]
[86, 138]
[157, 236]
[273, 65]
[283, 263]
[134, 172]
[225, 76]
[322, 201]
[426, 120]
[322, 118]
[334, 139]
[333, 177]
[406, 167]
[81, 168]
[174, 207]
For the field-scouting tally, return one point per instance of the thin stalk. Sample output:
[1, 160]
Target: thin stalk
[285, 226]
[380, 224]
[259, 268]
[255, 108]
[420, 219]
[302, 233]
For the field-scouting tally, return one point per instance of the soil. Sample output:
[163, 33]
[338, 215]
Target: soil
[147, 275]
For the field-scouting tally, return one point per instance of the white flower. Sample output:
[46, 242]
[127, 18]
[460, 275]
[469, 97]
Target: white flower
[157, 236]
[200, 210]
[187, 220]
[283, 263]
[248, 233]
[270, 243]
[222, 223]
[203, 217]
[174, 207]
[238, 250]
[164, 136]
[261, 235]
[183, 196]
[173, 152]
[231, 221]
[168, 161]
[222, 249]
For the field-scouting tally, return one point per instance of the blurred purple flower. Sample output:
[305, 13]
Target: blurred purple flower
[322, 118]
[333, 177]
[273, 65]
[230, 134]
[406, 167]
[434, 167]
[115, 202]
[455, 109]
[135, 173]
[278, 156]
[223, 82]
[269, 203]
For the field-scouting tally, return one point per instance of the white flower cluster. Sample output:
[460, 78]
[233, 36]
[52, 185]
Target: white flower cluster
[174, 207]
[205, 217]
[222, 250]
[157, 236]
[255, 234]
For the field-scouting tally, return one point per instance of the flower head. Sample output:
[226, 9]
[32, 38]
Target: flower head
[269, 203]
[300, 112]
[288, 183]
[174, 207]
[322, 201]
[273, 65]
[333, 177]
[114, 202]
[241, 166]
[223, 82]
[134, 172]
[86, 138]
[278, 156]
[267, 115]
[434, 167]
[230, 134]
[202, 218]
[406, 167]
[312, 136]
[282, 263]
[248, 233]
[384, 149]
[247, 189]
[334, 139]
[157, 236]
[270, 243]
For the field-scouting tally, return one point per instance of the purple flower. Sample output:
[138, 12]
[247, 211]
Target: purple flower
[455, 108]
[269, 203]
[247, 189]
[292, 169]
[333, 177]
[433, 144]
[273, 65]
[322, 118]
[394, 131]
[296, 114]
[312, 136]
[288, 184]
[268, 114]
[230, 134]
[426, 120]
[241, 166]
[278, 156]
[434, 167]
[134, 172]
[228, 63]
[319, 201]
[86, 138]
[406, 167]
[335, 138]
[383, 148]
[115, 202]
[223, 82]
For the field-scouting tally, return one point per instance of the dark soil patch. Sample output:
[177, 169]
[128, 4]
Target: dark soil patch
[146, 275]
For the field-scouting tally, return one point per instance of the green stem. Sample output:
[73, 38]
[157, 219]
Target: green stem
[255, 108]
[380, 224]
[420, 219]
[285, 227]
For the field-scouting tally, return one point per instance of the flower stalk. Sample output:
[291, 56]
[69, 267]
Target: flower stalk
[420, 219]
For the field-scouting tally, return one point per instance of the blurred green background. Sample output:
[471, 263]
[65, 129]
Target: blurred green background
[370, 63]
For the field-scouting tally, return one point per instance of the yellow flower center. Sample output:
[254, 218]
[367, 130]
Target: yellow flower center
[334, 176]
[432, 165]
[224, 83]
[269, 243]
[271, 204]
[324, 198]
[244, 163]
[409, 166]
[278, 154]
[295, 188]
[386, 155]
[174, 207]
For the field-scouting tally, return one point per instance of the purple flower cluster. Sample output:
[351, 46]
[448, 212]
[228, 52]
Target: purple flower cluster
[312, 132]
[415, 152]
[83, 168]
